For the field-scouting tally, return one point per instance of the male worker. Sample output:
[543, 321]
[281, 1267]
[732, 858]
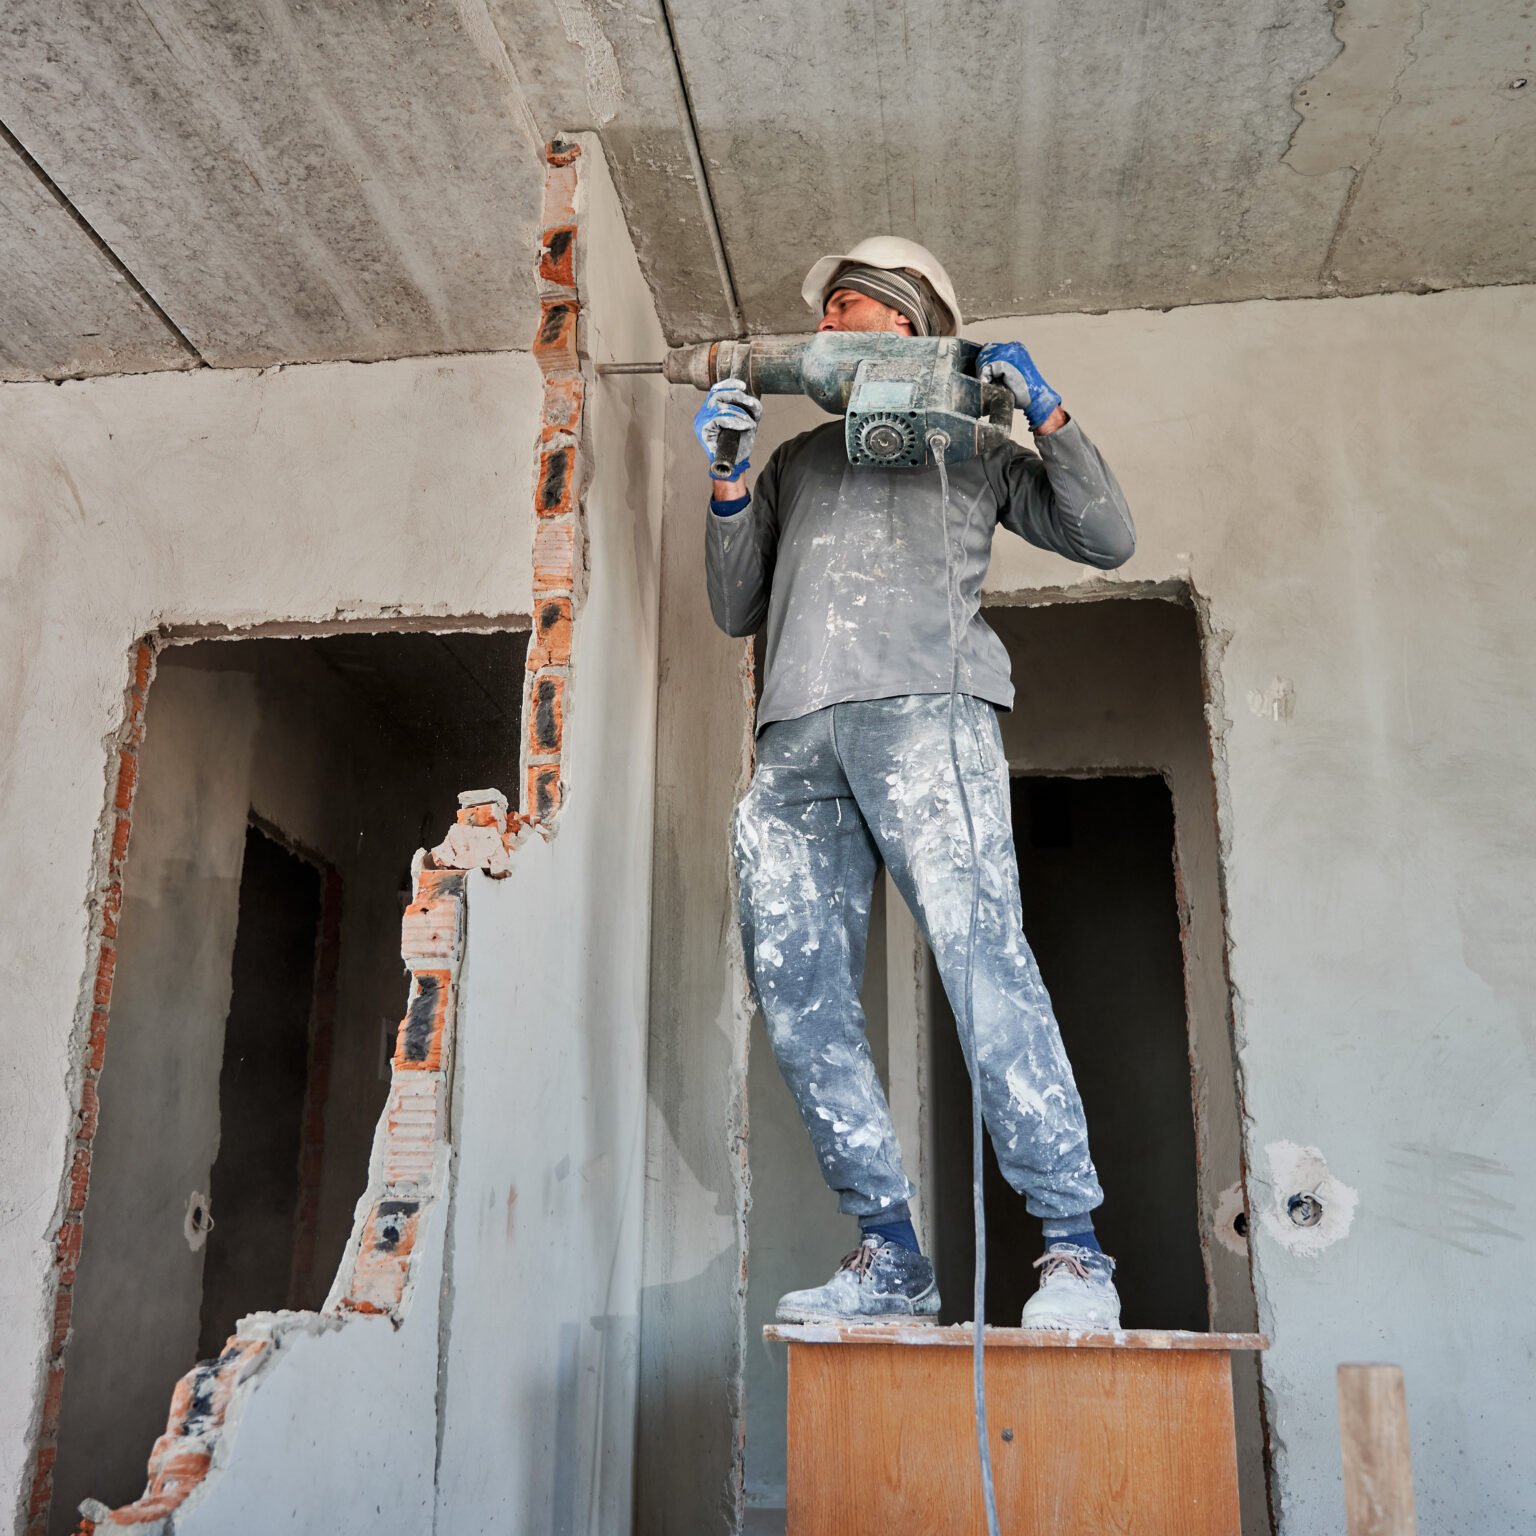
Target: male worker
[847, 567]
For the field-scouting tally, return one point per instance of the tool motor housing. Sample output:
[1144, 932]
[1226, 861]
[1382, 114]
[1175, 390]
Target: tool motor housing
[892, 391]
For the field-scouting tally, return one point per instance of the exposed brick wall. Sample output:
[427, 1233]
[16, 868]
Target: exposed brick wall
[407, 1166]
[107, 907]
[558, 535]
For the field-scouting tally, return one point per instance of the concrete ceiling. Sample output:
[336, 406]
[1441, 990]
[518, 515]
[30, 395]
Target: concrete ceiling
[188, 181]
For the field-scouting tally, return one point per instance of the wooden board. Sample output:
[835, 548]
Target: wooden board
[1378, 1468]
[1106, 1436]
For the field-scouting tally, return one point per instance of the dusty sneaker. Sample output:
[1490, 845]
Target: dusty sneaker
[1077, 1292]
[878, 1282]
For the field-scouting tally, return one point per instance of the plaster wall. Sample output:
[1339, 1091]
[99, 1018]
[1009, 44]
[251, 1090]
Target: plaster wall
[1346, 485]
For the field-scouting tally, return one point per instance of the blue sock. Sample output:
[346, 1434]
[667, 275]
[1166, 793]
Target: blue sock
[1057, 1233]
[893, 1225]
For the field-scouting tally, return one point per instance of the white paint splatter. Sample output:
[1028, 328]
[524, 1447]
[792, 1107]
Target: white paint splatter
[605, 87]
[1229, 1206]
[1277, 702]
[1026, 1097]
[1295, 1170]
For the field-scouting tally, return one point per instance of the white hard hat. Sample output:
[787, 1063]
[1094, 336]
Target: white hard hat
[887, 251]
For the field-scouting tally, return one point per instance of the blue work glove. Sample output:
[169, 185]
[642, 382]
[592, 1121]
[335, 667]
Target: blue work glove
[1008, 363]
[728, 405]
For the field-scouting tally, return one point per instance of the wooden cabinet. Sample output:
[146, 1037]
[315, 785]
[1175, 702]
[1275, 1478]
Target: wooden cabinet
[1091, 1434]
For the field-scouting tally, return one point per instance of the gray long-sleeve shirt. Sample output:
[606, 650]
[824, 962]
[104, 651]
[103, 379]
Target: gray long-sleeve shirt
[847, 565]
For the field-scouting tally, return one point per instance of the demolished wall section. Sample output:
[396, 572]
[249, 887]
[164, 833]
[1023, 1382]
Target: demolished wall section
[290, 1388]
[335, 494]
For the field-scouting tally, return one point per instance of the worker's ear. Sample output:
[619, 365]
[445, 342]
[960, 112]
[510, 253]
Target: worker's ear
[904, 326]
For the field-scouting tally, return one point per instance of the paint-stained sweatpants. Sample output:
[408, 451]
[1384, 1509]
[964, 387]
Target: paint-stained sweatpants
[836, 793]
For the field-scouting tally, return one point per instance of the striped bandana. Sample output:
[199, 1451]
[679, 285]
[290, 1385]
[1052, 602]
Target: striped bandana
[910, 293]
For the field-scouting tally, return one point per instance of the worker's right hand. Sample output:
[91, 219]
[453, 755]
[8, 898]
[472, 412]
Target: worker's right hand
[728, 405]
[1008, 362]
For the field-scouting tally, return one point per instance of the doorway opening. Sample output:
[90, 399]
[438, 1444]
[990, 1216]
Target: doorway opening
[1101, 913]
[256, 1183]
[283, 787]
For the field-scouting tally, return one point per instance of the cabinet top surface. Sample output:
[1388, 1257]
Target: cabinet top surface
[962, 1335]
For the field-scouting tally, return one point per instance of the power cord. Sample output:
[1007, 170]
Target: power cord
[938, 442]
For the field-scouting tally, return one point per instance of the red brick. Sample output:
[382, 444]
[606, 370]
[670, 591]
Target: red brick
[127, 774]
[561, 411]
[557, 475]
[560, 187]
[414, 1116]
[554, 555]
[554, 344]
[67, 1250]
[79, 1179]
[488, 815]
[63, 1312]
[550, 645]
[543, 790]
[557, 256]
[119, 843]
[438, 884]
[111, 908]
[143, 662]
[90, 1110]
[430, 930]
[383, 1259]
[546, 720]
[105, 966]
[96, 1042]
[42, 1481]
[133, 727]
[562, 151]
[53, 1395]
[419, 1040]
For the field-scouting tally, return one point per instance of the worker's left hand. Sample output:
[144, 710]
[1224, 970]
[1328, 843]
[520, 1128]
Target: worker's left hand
[729, 404]
[1009, 363]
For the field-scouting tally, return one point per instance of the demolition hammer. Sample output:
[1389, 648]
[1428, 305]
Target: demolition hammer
[892, 391]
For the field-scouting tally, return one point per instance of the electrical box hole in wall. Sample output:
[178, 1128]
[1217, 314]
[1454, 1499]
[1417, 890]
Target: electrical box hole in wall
[283, 786]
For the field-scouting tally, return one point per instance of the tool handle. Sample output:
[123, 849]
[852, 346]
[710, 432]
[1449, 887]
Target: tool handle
[727, 446]
[997, 405]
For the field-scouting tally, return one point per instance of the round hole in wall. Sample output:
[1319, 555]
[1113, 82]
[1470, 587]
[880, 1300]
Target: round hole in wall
[198, 1220]
[1306, 1210]
[1240, 1223]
